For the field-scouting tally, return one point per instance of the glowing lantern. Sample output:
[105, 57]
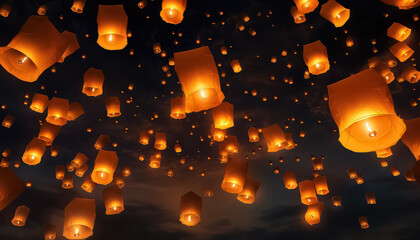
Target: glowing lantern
[104, 168]
[112, 27]
[58, 109]
[274, 138]
[119, 180]
[316, 57]
[321, 185]
[363, 221]
[298, 17]
[335, 13]
[79, 218]
[67, 181]
[383, 69]
[359, 179]
[54, 151]
[384, 153]
[50, 232]
[336, 201]
[235, 175]
[102, 141]
[236, 66]
[289, 140]
[5, 163]
[93, 81]
[144, 137]
[349, 41]
[60, 170]
[21, 214]
[223, 116]
[160, 141]
[34, 151]
[253, 135]
[113, 200]
[352, 173]
[410, 74]
[71, 44]
[409, 175]
[8, 121]
[178, 108]
[154, 161]
[217, 134]
[230, 145]
[10, 187]
[401, 51]
[313, 214]
[224, 50]
[42, 10]
[178, 148]
[75, 111]
[289, 179]
[81, 170]
[198, 75]
[306, 6]
[208, 192]
[142, 4]
[398, 32]
[48, 133]
[173, 11]
[88, 185]
[402, 4]
[411, 137]
[249, 191]
[126, 171]
[112, 105]
[5, 10]
[78, 6]
[307, 192]
[6, 152]
[370, 198]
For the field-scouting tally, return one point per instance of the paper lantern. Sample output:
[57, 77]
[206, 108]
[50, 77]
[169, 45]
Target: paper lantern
[42, 10]
[349, 42]
[81, 170]
[35, 48]
[236, 66]
[112, 27]
[126, 171]
[224, 50]
[249, 191]
[366, 121]
[383, 69]
[289, 141]
[370, 198]
[384, 153]
[336, 201]
[93, 81]
[155, 161]
[10, 187]
[199, 78]
[409, 176]
[102, 141]
[8, 121]
[411, 137]
[274, 138]
[316, 57]
[403, 4]
[39, 103]
[142, 4]
[34, 151]
[208, 192]
[119, 180]
[306, 6]
[48, 132]
[67, 182]
[217, 134]
[335, 13]
[78, 6]
[190, 209]
[289, 179]
[6, 152]
[21, 214]
[321, 185]
[70, 167]
[394, 171]
[75, 111]
[104, 168]
[410, 74]
[5, 10]
[88, 185]
[223, 116]
[352, 173]
[54, 151]
[313, 214]
[363, 221]
[253, 135]
[160, 141]
[50, 232]
[398, 32]
[58, 109]
[298, 17]
[178, 108]
[112, 105]
[235, 175]
[229, 145]
[173, 11]
[359, 179]
[71, 44]
[5, 163]
[60, 170]
[113, 200]
[79, 218]
[401, 51]
[307, 193]
[144, 137]
[178, 148]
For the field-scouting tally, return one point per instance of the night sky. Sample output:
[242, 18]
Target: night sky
[151, 198]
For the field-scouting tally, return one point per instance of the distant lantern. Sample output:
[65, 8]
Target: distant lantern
[79, 160]
[58, 109]
[203, 92]
[349, 41]
[289, 179]
[48, 132]
[409, 176]
[39, 103]
[274, 138]
[217, 134]
[178, 148]
[93, 81]
[154, 161]
[316, 57]
[67, 182]
[126, 171]
[60, 170]
[411, 137]
[102, 141]
[50, 232]
[10, 187]
[173, 11]
[6, 152]
[321, 185]
[104, 168]
[112, 105]
[34, 151]
[178, 108]
[223, 116]
[249, 191]
[157, 48]
[42, 10]
[235, 175]
[398, 32]
[119, 180]
[317, 164]
[113, 200]
[367, 122]
[384, 70]
[160, 141]
[112, 27]
[8, 121]
[313, 214]
[5, 163]
[35, 48]
[352, 173]
[78, 6]
[359, 179]
[70, 45]
[363, 221]
[383, 153]
[253, 135]
[402, 4]
[88, 185]
[236, 66]
[307, 192]
[336, 200]
[21, 214]
[394, 171]
[142, 4]
[5, 10]
[401, 51]
[190, 209]
[54, 151]
[306, 6]
[144, 137]
[79, 218]
[370, 198]
[298, 17]
[224, 50]
[410, 74]
[75, 111]
[335, 13]
[229, 145]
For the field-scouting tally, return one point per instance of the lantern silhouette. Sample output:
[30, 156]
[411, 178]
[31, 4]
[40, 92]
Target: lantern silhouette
[71, 45]
[21, 214]
[119, 180]
[313, 214]
[112, 27]
[5, 10]
[307, 193]
[401, 51]
[199, 78]
[306, 6]
[337, 201]
[88, 185]
[173, 11]
[93, 81]
[58, 109]
[411, 137]
[160, 141]
[298, 17]
[190, 209]
[366, 122]
[113, 200]
[10, 187]
[104, 168]
[253, 135]
[410, 74]
[60, 170]
[34, 151]
[402, 4]
[274, 138]
[249, 191]
[5, 163]
[78, 6]
[223, 116]
[383, 69]
[289, 179]
[316, 57]
[370, 198]
[67, 181]
[144, 137]
[321, 185]
[235, 175]
[48, 132]
[70, 167]
[383, 153]
[217, 134]
[363, 221]
[155, 161]
[126, 171]
[81, 170]
[335, 13]
[50, 232]
[224, 50]
[398, 32]
[352, 173]
[102, 141]
[8, 121]
[178, 108]
[229, 146]
[79, 218]
[75, 111]
[112, 105]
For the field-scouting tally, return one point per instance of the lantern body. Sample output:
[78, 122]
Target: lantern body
[208, 192]
[352, 173]
[409, 176]
[112, 27]
[306, 6]
[398, 32]
[79, 218]
[403, 4]
[383, 69]
[307, 192]
[274, 138]
[144, 137]
[321, 185]
[363, 110]
[88, 185]
[48, 132]
[160, 141]
[337, 201]
[370, 198]
[363, 222]
[249, 191]
[93, 81]
[102, 141]
[223, 116]
[359, 179]
[119, 180]
[78, 6]
[10, 187]
[5, 10]
[198, 75]
[39, 103]
[383, 153]
[50, 232]
[217, 134]
[34, 151]
[411, 137]
[81, 170]
[54, 151]
[6, 152]
[75, 111]
[113, 107]
[316, 57]
[289, 179]
[335, 13]
[58, 109]
[401, 51]
[71, 45]
[313, 214]
[190, 209]
[113, 200]
[349, 41]
[298, 17]
[104, 168]
[411, 74]
[178, 108]
[178, 148]
[67, 181]
[229, 146]
[60, 170]
[235, 175]
[253, 135]
[236, 66]
[21, 214]
[173, 11]
[289, 141]
[155, 161]
[8, 121]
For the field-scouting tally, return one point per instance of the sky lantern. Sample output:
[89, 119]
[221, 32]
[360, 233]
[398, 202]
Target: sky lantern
[10, 186]
[401, 51]
[289, 179]
[178, 148]
[58, 109]
[50, 232]
[235, 175]
[383, 153]
[317, 164]
[88, 185]
[54, 151]
[409, 176]
[8, 121]
[253, 135]
[411, 137]
[142, 4]
[5, 10]
[223, 116]
[34, 151]
[70, 167]
[78, 6]
[229, 145]
[335, 13]
[6, 152]
[306, 6]
[93, 81]
[42, 10]
[394, 171]
[236, 66]
[410, 74]
[224, 50]
[208, 192]
[367, 122]
[398, 32]
[75, 111]
[359, 179]
[336, 201]
[190, 209]
[370, 198]
[119, 180]
[48, 132]
[70, 43]
[384, 70]
[79, 218]
[249, 191]
[321, 185]
[199, 78]
[217, 134]
[39, 103]
[112, 105]
[112, 27]
[21, 214]
[5, 163]
[157, 48]
[349, 41]
[316, 57]
[352, 173]
[102, 141]
[173, 11]
[144, 137]
[289, 141]
[274, 138]
[104, 168]
[402, 4]
[298, 17]
[113, 200]
[313, 214]
[307, 192]
[67, 181]
[35, 48]
[79, 160]
[363, 221]
[178, 108]
[126, 171]
[160, 141]
[373, 61]
[60, 170]
[154, 161]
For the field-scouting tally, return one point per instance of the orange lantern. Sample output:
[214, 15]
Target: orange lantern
[21, 214]
[112, 105]
[160, 141]
[402, 4]
[42, 10]
[363, 221]
[78, 6]
[383, 69]
[6, 152]
[359, 179]
[337, 201]
[411, 137]
[224, 50]
[178, 148]
[289, 179]
[410, 74]
[335, 13]
[253, 135]
[394, 170]
[352, 173]
[142, 4]
[236, 66]
[274, 138]
[190, 209]
[249, 191]
[8, 121]
[235, 175]
[79, 218]
[401, 51]
[48, 132]
[5, 10]
[317, 164]
[39, 103]
[102, 141]
[93, 81]
[81, 170]
[10, 187]
[298, 17]
[104, 168]
[88, 185]
[50, 232]
[316, 57]
[144, 137]
[60, 170]
[70, 43]
[54, 151]
[119, 180]
[370, 198]
[5, 163]
[229, 146]
[289, 141]
[223, 116]
[113, 200]
[398, 32]
[178, 108]
[126, 171]
[217, 134]
[383, 153]
[112, 27]
[58, 109]
[349, 41]
[409, 176]
[306, 6]
[313, 214]
[321, 185]
[307, 192]
[173, 11]
[155, 161]
[208, 192]
[34, 151]
[67, 181]
[75, 111]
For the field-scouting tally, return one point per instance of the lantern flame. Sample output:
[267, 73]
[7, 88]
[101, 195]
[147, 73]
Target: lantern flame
[372, 133]
[172, 13]
[76, 233]
[23, 60]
